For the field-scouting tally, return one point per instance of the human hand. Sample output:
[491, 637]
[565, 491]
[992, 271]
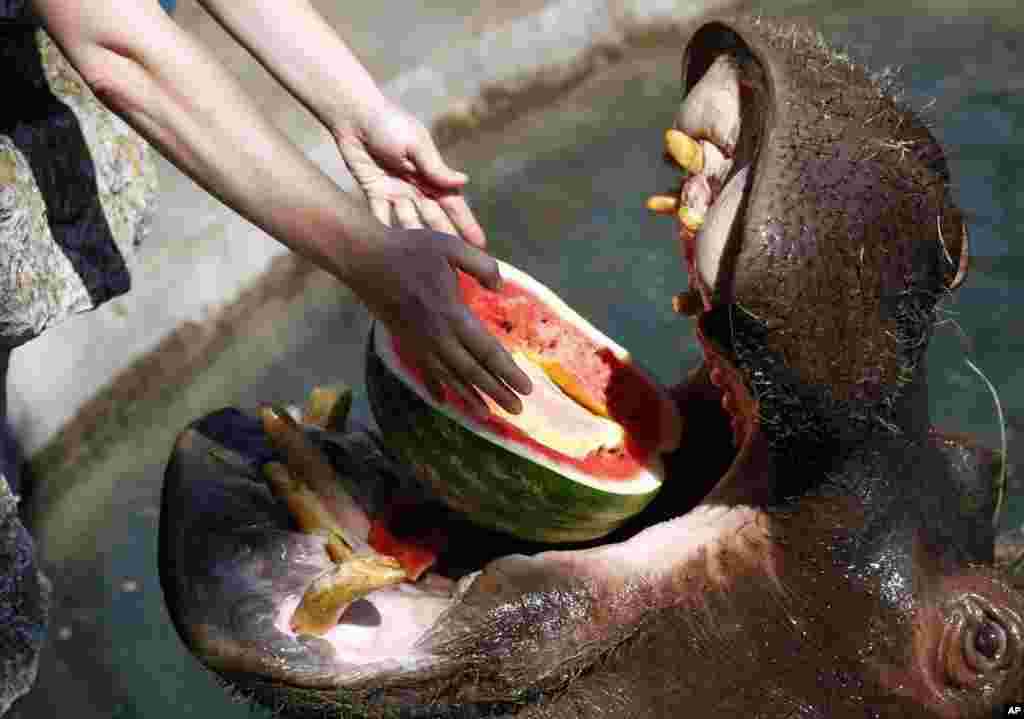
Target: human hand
[397, 165]
[407, 280]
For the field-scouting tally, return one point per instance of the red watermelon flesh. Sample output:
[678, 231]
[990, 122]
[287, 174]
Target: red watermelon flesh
[523, 322]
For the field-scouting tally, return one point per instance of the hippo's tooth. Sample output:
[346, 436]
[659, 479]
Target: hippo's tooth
[717, 225]
[307, 463]
[711, 109]
[307, 509]
[684, 150]
[694, 201]
[330, 594]
[328, 407]
[691, 219]
[696, 194]
[716, 165]
[663, 204]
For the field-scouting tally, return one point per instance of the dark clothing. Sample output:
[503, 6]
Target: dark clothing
[19, 11]
[59, 255]
[14, 10]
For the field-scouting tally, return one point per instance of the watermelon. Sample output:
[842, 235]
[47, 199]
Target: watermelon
[584, 455]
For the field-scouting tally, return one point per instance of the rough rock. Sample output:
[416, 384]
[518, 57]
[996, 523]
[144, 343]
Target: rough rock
[76, 191]
[24, 603]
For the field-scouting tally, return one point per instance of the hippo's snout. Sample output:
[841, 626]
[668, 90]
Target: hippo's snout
[825, 220]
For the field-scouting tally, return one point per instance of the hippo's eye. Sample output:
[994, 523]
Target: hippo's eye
[980, 642]
[989, 640]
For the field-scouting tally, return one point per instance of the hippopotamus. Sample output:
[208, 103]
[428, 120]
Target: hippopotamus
[819, 549]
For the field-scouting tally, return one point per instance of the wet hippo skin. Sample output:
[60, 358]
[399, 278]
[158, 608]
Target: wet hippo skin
[820, 550]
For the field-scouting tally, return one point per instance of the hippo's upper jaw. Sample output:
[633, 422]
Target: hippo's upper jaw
[812, 554]
[823, 255]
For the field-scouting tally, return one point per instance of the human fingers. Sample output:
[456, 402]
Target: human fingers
[434, 217]
[492, 361]
[436, 377]
[476, 262]
[442, 376]
[457, 209]
[435, 170]
[495, 360]
[381, 209]
[405, 210]
[473, 369]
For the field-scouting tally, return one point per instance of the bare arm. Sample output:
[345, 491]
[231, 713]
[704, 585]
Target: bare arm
[388, 151]
[304, 53]
[170, 89]
[167, 86]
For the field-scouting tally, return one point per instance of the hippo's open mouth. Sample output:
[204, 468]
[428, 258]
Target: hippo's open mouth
[234, 577]
[817, 230]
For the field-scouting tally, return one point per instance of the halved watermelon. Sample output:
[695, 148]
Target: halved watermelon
[582, 457]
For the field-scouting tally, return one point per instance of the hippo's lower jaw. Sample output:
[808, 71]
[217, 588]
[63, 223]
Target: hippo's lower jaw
[860, 593]
[234, 574]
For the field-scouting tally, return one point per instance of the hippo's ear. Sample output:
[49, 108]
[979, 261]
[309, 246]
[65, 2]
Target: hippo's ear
[955, 246]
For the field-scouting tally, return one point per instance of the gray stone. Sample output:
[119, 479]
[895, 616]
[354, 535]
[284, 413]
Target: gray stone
[69, 225]
[24, 603]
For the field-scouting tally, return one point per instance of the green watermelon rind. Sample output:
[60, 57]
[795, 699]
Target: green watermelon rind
[489, 478]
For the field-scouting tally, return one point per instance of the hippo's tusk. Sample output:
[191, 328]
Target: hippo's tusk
[331, 593]
[691, 219]
[308, 465]
[328, 407]
[307, 509]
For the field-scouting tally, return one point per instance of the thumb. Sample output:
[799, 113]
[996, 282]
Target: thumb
[476, 262]
[428, 161]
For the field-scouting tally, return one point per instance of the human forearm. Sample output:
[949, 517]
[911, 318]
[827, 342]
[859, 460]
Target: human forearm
[175, 94]
[389, 152]
[164, 83]
[305, 54]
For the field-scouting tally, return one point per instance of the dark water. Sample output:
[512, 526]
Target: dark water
[973, 72]
[561, 196]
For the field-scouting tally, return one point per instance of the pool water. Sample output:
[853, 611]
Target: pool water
[561, 194]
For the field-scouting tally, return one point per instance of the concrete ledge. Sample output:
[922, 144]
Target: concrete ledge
[215, 269]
